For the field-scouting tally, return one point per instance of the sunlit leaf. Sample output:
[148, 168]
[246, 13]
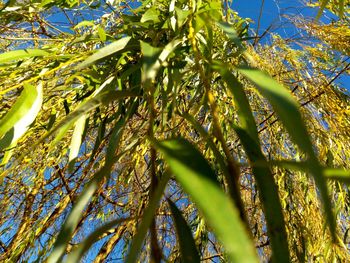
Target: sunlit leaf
[322, 7]
[22, 54]
[76, 138]
[101, 99]
[18, 119]
[105, 52]
[154, 57]
[152, 14]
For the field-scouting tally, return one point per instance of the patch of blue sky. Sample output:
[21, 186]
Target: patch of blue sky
[276, 15]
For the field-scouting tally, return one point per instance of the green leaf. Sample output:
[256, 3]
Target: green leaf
[220, 159]
[83, 247]
[337, 174]
[231, 33]
[105, 52]
[20, 54]
[76, 138]
[86, 23]
[341, 8]
[199, 181]
[101, 33]
[182, 16]
[268, 191]
[18, 119]
[287, 109]
[269, 198]
[188, 248]
[284, 105]
[154, 57]
[244, 112]
[322, 7]
[74, 216]
[147, 219]
[102, 98]
[152, 14]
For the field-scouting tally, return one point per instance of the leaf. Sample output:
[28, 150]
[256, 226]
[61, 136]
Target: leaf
[188, 248]
[86, 23]
[83, 247]
[341, 8]
[283, 103]
[74, 216]
[231, 34]
[337, 174]
[268, 191]
[18, 119]
[152, 14]
[269, 197]
[102, 98]
[287, 109]
[105, 52]
[199, 181]
[20, 54]
[154, 57]
[76, 138]
[322, 7]
[147, 219]
[220, 159]
[181, 16]
[101, 33]
[244, 112]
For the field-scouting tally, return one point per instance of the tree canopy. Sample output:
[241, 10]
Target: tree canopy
[170, 131]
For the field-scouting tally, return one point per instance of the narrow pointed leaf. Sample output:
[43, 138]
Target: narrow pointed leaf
[287, 109]
[146, 220]
[268, 191]
[83, 247]
[244, 112]
[17, 120]
[74, 216]
[337, 174]
[188, 247]
[154, 57]
[20, 54]
[76, 138]
[322, 7]
[199, 181]
[102, 98]
[105, 52]
[269, 198]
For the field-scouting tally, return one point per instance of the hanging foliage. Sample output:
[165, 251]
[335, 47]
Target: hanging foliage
[166, 131]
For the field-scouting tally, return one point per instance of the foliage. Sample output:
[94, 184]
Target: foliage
[165, 130]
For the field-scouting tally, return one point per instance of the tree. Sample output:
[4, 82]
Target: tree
[165, 130]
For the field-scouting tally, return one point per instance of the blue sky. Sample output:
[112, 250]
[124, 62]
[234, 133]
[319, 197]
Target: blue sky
[275, 13]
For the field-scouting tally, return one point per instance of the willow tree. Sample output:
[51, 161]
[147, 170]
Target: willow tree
[167, 131]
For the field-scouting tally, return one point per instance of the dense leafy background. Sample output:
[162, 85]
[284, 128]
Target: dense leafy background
[172, 131]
